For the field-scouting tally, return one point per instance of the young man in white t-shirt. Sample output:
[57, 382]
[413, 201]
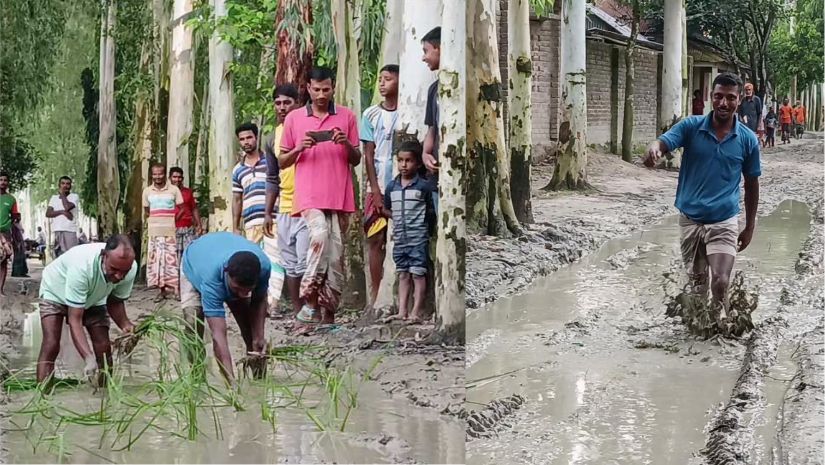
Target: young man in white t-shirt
[62, 210]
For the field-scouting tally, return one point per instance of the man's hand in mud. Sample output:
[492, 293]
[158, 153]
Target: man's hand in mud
[745, 238]
[90, 369]
[653, 154]
[430, 162]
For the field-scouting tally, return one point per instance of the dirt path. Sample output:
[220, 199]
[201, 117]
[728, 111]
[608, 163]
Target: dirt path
[604, 376]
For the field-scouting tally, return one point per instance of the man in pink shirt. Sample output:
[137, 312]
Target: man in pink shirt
[321, 140]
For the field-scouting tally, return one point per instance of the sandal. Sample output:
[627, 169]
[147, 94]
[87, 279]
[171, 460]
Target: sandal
[307, 315]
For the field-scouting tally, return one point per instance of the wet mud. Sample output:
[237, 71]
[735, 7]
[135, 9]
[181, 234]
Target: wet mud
[606, 376]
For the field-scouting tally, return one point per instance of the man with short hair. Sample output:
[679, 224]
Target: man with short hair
[786, 120]
[41, 242]
[799, 114]
[378, 126]
[9, 214]
[750, 110]
[249, 187]
[431, 43]
[160, 199]
[62, 210]
[223, 268]
[698, 104]
[188, 224]
[321, 140]
[718, 151]
[292, 232]
[84, 287]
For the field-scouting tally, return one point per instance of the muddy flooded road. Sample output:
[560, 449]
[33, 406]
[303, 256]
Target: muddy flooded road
[384, 426]
[605, 376]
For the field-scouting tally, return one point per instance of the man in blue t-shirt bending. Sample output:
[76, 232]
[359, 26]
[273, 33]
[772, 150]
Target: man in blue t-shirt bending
[718, 151]
[223, 268]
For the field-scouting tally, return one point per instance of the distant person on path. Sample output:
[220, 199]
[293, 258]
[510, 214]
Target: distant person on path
[321, 140]
[750, 110]
[63, 212]
[771, 122]
[707, 194]
[223, 268]
[292, 232]
[160, 199]
[84, 287]
[698, 106]
[249, 184]
[41, 241]
[19, 267]
[799, 115]
[409, 201]
[378, 126]
[9, 215]
[786, 120]
[81, 236]
[188, 224]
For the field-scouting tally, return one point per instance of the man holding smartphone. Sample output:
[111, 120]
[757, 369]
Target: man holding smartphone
[322, 142]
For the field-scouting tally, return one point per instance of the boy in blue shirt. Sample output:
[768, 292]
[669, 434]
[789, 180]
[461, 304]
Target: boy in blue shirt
[408, 200]
[223, 268]
[718, 151]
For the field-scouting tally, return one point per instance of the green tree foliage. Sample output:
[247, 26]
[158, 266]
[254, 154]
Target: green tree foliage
[19, 160]
[800, 54]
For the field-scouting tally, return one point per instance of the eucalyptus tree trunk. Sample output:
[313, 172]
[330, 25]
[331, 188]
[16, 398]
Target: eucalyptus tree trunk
[417, 18]
[348, 93]
[671, 108]
[570, 171]
[520, 66]
[451, 247]
[222, 128]
[295, 47]
[391, 40]
[492, 213]
[629, 84]
[181, 89]
[108, 179]
[160, 73]
[201, 162]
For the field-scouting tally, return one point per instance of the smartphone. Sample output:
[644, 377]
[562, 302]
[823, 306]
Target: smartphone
[320, 136]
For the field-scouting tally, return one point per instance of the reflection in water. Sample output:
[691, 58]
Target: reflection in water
[634, 406]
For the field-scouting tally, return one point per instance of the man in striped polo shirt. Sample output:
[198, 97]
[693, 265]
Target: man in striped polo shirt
[159, 201]
[249, 205]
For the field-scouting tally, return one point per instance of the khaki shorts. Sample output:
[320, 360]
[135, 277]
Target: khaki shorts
[700, 240]
[189, 296]
[92, 316]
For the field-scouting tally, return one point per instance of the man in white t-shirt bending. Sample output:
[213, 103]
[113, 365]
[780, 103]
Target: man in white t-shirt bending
[63, 212]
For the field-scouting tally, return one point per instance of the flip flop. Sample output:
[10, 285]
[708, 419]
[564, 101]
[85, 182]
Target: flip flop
[307, 316]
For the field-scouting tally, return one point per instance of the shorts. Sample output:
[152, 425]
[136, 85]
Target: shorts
[293, 241]
[700, 240]
[411, 258]
[92, 316]
[189, 296]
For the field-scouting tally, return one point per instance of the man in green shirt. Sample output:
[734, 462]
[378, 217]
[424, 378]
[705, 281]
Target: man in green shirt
[85, 286]
[8, 216]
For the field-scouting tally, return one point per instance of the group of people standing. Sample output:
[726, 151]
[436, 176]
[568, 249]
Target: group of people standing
[291, 204]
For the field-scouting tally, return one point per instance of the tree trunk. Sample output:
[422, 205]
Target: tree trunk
[160, 72]
[489, 203]
[348, 93]
[108, 179]
[201, 162]
[181, 89]
[520, 69]
[570, 171]
[629, 91]
[672, 65]
[391, 40]
[295, 47]
[685, 100]
[417, 19]
[222, 128]
[267, 57]
[451, 247]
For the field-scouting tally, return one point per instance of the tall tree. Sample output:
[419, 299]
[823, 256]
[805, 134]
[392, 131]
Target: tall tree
[222, 127]
[672, 65]
[391, 39]
[108, 186]
[520, 69]
[634, 17]
[570, 171]
[489, 203]
[451, 247]
[181, 88]
[293, 23]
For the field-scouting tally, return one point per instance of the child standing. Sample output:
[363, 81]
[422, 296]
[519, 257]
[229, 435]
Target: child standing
[408, 200]
[770, 127]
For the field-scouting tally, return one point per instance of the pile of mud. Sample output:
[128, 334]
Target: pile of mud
[484, 423]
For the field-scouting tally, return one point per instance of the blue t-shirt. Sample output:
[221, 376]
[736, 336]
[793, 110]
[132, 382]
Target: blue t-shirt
[708, 190]
[203, 265]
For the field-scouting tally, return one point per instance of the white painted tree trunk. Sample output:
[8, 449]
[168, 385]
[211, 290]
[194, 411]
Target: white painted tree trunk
[418, 18]
[451, 247]
[391, 40]
[520, 67]
[203, 138]
[222, 154]
[181, 89]
[108, 179]
[570, 171]
[672, 64]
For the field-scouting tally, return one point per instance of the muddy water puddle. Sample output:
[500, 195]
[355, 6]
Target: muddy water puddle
[606, 377]
[381, 429]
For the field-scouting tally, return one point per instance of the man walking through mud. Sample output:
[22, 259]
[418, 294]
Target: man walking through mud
[85, 286]
[718, 151]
